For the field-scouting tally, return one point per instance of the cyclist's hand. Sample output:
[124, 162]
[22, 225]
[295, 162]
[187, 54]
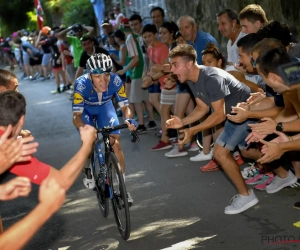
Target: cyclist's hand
[51, 194]
[87, 134]
[131, 123]
[174, 122]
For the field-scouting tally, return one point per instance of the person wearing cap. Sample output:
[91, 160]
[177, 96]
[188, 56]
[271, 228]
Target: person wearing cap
[107, 31]
[75, 40]
[136, 66]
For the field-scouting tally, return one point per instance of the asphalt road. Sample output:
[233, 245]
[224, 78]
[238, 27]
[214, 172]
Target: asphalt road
[176, 206]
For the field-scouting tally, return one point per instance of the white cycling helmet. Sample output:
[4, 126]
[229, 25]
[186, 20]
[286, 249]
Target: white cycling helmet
[99, 64]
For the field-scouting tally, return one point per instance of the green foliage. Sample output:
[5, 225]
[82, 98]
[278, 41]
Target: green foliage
[32, 20]
[77, 11]
[73, 11]
[13, 13]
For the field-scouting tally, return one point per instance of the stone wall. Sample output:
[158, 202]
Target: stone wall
[205, 12]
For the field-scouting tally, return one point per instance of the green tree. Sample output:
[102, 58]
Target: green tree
[14, 13]
[75, 11]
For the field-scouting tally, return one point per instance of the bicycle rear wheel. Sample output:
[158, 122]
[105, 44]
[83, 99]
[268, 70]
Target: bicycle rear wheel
[119, 197]
[101, 193]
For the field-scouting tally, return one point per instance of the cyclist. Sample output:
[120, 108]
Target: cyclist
[93, 93]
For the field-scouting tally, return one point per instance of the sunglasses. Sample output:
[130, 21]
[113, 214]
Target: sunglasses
[253, 62]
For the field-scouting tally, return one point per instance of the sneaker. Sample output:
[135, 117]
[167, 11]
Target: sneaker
[88, 179]
[202, 157]
[57, 91]
[151, 125]
[279, 183]
[71, 97]
[26, 78]
[265, 181]
[213, 165]
[175, 152]
[161, 146]
[239, 203]
[129, 199]
[296, 184]
[41, 78]
[250, 172]
[146, 114]
[70, 91]
[297, 205]
[246, 169]
[193, 147]
[238, 158]
[141, 129]
[255, 180]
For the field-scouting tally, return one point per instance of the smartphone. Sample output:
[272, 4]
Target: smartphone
[290, 73]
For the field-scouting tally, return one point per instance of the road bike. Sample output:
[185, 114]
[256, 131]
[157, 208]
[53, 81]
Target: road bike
[109, 179]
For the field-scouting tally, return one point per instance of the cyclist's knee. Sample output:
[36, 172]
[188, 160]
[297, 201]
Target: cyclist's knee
[115, 142]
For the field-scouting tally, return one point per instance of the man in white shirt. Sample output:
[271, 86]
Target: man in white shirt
[229, 26]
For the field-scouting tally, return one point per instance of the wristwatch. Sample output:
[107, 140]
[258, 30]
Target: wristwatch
[279, 127]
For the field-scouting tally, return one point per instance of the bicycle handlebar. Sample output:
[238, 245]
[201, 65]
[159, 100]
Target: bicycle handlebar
[104, 130]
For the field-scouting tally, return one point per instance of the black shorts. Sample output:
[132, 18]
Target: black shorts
[33, 62]
[128, 79]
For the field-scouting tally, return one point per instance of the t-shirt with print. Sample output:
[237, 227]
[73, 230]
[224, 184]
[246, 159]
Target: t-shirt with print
[157, 55]
[215, 84]
[134, 49]
[77, 49]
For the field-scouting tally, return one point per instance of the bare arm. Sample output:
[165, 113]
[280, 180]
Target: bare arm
[122, 60]
[89, 29]
[258, 114]
[241, 77]
[200, 111]
[79, 72]
[63, 34]
[77, 120]
[217, 117]
[134, 60]
[37, 41]
[51, 197]
[126, 112]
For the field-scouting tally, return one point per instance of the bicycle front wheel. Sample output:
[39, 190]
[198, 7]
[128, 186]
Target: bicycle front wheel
[119, 195]
[102, 197]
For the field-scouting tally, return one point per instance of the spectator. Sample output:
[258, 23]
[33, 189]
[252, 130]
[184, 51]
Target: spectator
[158, 55]
[118, 17]
[75, 40]
[229, 26]
[157, 15]
[252, 17]
[214, 88]
[89, 49]
[136, 65]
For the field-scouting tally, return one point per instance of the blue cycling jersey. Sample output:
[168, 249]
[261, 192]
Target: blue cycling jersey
[86, 97]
